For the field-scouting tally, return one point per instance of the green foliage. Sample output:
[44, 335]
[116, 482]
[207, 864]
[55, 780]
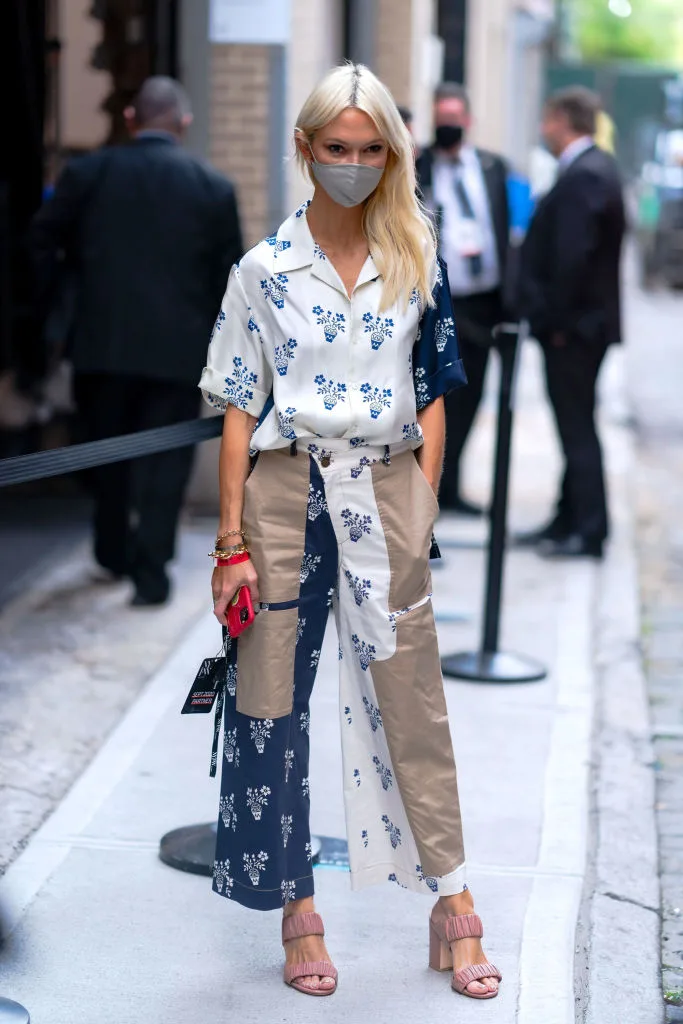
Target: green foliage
[652, 34]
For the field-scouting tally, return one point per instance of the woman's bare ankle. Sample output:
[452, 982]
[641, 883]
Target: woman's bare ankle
[460, 903]
[304, 906]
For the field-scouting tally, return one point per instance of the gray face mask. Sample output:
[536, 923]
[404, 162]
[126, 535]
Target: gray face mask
[347, 184]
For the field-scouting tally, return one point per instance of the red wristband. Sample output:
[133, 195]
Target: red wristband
[234, 559]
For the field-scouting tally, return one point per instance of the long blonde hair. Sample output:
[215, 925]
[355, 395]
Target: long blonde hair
[399, 232]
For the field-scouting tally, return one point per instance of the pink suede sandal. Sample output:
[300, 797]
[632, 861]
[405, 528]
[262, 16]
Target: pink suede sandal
[297, 926]
[441, 935]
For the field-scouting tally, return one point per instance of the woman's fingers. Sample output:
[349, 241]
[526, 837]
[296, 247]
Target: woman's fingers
[219, 610]
[252, 583]
[226, 583]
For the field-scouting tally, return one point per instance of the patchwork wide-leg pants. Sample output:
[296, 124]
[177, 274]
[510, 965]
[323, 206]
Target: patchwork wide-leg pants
[350, 529]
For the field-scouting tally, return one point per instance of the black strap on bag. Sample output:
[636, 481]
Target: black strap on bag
[208, 692]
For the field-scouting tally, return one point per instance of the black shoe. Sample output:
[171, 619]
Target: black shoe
[461, 507]
[531, 538]
[103, 576]
[574, 546]
[144, 601]
[151, 588]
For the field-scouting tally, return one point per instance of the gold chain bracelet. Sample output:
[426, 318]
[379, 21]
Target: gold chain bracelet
[229, 533]
[239, 549]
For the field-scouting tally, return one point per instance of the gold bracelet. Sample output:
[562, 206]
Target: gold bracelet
[240, 549]
[229, 533]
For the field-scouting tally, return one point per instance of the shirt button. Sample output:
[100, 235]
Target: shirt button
[325, 461]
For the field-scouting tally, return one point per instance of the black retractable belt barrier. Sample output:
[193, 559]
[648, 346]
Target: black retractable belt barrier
[74, 457]
[488, 664]
[13, 1013]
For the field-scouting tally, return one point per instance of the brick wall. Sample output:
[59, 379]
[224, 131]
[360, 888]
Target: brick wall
[239, 128]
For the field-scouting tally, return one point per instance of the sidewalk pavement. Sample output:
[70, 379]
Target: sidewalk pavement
[558, 825]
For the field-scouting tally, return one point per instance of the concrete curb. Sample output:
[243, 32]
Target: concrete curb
[618, 957]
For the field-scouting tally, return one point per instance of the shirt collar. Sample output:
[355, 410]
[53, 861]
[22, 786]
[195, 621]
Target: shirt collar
[467, 157]
[574, 150]
[293, 248]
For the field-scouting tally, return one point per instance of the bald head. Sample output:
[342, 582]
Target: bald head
[162, 103]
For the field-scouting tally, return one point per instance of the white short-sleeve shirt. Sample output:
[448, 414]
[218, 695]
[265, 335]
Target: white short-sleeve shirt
[293, 350]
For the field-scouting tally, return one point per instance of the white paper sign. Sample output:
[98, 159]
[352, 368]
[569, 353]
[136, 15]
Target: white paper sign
[469, 237]
[266, 22]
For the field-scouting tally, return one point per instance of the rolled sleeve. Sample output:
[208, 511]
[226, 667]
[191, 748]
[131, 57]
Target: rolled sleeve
[437, 366]
[236, 371]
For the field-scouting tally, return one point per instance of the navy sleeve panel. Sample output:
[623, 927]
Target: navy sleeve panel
[437, 366]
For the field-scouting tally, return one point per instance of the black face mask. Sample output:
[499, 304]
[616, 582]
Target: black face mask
[447, 136]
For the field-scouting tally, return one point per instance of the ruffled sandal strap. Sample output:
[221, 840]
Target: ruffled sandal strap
[297, 926]
[463, 926]
[475, 972]
[323, 968]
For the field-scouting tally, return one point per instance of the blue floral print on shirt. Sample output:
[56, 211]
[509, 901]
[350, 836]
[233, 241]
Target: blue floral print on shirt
[279, 244]
[379, 328]
[275, 289]
[238, 388]
[332, 323]
[437, 367]
[283, 353]
[285, 423]
[379, 398]
[331, 392]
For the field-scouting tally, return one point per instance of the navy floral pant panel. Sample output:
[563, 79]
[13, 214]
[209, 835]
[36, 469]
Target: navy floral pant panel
[263, 849]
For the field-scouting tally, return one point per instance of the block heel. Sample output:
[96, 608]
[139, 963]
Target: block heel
[440, 956]
[444, 932]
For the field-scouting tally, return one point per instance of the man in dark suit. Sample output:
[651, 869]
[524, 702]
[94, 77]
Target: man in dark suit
[466, 190]
[569, 292]
[149, 233]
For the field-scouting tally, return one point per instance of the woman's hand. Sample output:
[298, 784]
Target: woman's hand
[226, 581]
[433, 483]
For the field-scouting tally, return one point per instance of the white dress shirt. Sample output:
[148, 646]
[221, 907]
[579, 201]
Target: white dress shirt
[292, 349]
[445, 173]
[574, 150]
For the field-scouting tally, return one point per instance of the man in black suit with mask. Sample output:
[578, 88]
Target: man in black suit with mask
[570, 294]
[466, 190]
[149, 234]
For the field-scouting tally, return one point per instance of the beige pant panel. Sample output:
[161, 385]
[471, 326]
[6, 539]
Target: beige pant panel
[411, 699]
[274, 519]
[407, 509]
[265, 665]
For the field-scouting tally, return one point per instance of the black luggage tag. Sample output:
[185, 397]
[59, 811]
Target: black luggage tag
[208, 690]
[209, 682]
[434, 551]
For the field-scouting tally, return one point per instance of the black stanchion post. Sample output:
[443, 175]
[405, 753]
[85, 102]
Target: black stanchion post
[489, 665]
[13, 1013]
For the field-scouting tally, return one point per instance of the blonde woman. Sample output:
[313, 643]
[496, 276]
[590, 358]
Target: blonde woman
[331, 355]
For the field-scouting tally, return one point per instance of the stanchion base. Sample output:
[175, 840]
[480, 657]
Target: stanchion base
[193, 848]
[13, 1013]
[493, 667]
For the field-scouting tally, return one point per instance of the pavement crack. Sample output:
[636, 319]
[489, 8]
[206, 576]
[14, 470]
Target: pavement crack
[22, 789]
[635, 903]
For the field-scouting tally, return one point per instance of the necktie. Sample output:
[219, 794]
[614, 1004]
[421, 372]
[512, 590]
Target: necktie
[467, 210]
